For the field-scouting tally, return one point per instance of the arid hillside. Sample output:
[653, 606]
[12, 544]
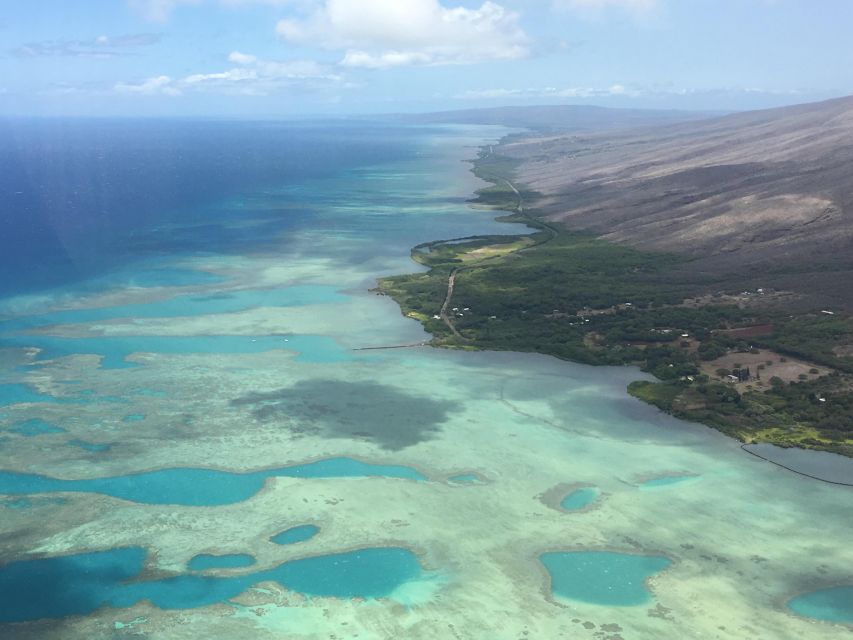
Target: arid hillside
[766, 196]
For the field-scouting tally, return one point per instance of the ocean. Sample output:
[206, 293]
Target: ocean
[183, 308]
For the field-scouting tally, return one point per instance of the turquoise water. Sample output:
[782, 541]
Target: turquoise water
[204, 561]
[532, 422]
[36, 427]
[665, 481]
[134, 417]
[115, 349]
[191, 305]
[580, 498]
[465, 478]
[296, 534]
[159, 277]
[198, 487]
[602, 577]
[833, 605]
[80, 584]
[16, 393]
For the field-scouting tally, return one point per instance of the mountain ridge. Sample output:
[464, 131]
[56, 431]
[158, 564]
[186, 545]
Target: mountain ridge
[763, 191]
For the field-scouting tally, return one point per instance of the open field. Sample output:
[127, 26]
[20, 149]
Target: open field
[766, 364]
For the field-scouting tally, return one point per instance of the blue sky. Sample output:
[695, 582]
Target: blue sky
[263, 58]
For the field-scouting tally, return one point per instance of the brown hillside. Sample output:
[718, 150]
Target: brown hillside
[768, 193]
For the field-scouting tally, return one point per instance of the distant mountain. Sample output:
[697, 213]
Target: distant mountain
[767, 194]
[557, 117]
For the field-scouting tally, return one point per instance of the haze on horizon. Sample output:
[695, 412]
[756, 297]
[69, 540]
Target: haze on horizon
[262, 58]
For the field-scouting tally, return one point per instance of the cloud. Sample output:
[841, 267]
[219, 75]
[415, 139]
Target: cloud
[100, 47]
[250, 76]
[613, 91]
[550, 92]
[241, 58]
[253, 76]
[386, 33]
[158, 85]
[385, 59]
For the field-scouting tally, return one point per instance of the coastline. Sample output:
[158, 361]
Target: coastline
[447, 258]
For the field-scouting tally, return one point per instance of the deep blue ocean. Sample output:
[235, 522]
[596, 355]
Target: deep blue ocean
[80, 197]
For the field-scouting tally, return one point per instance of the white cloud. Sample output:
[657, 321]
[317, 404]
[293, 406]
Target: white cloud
[384, 60]
[552, 92]
[241, 58]
[386, 33]
[223, 77]
[157, 85]
[251, 76]
[615, 91]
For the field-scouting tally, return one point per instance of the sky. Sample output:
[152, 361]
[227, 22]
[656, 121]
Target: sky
[289, 58]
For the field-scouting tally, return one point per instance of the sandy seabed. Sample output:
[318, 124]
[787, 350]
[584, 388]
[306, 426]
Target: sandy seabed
[744, 536]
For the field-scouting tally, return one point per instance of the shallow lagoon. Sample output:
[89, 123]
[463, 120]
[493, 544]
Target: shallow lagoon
[533, 422]
[602, 577]
[17, 393]
[36, 427]
[205, 561]
[833, 605]
[580, 498]
[215, 301]
[114, 350]
[198, 487]
[75, 585]
[295, 535]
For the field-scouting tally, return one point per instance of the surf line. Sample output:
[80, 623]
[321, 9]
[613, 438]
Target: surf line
[393, 346]
[799, 473]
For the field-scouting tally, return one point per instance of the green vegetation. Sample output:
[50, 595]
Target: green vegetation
[815, 337]
[576, 297]
[815, 414]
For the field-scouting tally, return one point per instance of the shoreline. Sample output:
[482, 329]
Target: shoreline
[493, 198]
